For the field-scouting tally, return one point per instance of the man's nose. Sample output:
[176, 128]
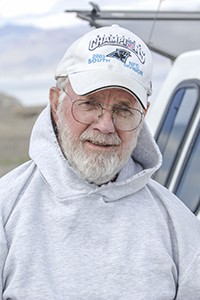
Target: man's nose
[105, 123]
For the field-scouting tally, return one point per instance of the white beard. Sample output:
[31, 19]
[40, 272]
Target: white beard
[94, 167]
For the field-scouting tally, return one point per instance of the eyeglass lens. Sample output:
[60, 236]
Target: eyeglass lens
[124, 118]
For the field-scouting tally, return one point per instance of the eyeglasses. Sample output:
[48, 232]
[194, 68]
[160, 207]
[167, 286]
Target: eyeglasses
[90, 111]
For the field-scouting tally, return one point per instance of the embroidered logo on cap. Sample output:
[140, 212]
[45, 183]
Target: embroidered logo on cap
[116, 40]
[120, 54]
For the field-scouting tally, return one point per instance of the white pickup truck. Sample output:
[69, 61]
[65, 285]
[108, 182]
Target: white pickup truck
[174, 119]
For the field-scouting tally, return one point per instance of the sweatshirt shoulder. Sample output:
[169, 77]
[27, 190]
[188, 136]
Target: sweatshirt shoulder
[12, 183]
[173, 207]
[166, 197]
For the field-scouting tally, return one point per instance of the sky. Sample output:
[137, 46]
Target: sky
[50, 13]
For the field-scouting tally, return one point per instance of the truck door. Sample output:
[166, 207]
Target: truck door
[178, 140]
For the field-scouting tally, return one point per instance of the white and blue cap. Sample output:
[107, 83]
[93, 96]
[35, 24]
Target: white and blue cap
[108, 57]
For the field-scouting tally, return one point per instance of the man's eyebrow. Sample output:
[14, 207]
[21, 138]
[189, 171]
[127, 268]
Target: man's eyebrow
[128, 103]
[90, 96]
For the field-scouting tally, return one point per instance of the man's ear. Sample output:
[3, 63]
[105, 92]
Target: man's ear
[53, 98]
[148, 105]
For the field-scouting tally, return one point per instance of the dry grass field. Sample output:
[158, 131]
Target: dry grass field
[16, 122]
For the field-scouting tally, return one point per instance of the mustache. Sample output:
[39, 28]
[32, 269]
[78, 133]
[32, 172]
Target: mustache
[101, 139]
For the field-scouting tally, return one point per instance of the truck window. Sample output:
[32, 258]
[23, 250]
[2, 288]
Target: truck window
[174, 128]
[188, 188]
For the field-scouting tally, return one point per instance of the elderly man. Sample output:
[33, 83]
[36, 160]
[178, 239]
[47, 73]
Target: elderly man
[83, 219]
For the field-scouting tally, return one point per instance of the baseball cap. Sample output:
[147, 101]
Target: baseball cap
[108, 57]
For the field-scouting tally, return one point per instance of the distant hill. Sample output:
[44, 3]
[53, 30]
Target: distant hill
[27, 50]
[16, 122]
[29, 57]
[8, 104]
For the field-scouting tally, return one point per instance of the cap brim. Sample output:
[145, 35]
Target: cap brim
[89, 81]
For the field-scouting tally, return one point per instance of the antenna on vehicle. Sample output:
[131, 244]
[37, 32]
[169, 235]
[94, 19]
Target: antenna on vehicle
[154, 22]
[95, 8]
[94, 13]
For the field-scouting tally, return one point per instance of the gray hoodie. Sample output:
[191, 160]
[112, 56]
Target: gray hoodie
[64, 239]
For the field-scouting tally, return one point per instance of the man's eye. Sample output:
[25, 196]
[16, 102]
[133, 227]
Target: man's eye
[123, 112]
[88, 105]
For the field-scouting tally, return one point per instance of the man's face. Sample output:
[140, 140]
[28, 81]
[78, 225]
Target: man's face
[99, 150]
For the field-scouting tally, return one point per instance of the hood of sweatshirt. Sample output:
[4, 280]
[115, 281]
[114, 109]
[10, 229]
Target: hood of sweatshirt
[64, 182]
